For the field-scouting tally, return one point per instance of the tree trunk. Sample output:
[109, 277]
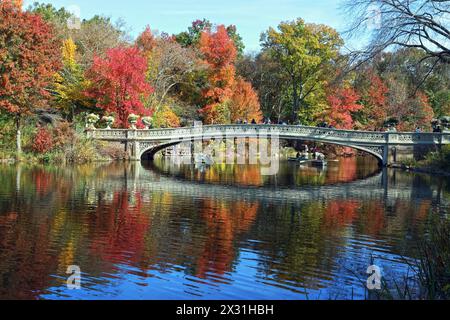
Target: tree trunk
[18, 136]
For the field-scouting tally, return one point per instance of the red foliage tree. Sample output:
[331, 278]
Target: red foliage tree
[219, 54]
[342, 103]
[118, 83]
[374, 98]
[43, 141]
[29, 57]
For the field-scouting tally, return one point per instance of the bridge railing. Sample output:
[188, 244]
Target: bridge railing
[283, 131]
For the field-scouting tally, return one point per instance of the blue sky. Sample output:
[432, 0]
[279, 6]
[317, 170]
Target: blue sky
[172, 16]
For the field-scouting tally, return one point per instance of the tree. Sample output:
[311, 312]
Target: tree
[170, 64]
[70, 83]
[165, 118]
[305, 52]
[146, 41]
[219, 55]
[96, 36]
[410, 110]
[267, 77]
[244, 104]
[193, 35]
[422, 24]
[343, 102]
[118, 83]
[29, 58]
[373, 92]
[57, 17]
[407, 23]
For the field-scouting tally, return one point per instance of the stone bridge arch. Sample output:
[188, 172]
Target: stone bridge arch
[378, 144]
[147, 151]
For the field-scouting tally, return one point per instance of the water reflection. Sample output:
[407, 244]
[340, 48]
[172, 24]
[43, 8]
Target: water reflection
[165, 231]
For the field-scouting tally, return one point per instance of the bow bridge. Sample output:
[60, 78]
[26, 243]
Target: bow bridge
[382, 145]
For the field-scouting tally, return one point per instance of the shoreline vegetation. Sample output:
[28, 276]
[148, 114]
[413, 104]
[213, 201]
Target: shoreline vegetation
[428, 276]
[435, 163]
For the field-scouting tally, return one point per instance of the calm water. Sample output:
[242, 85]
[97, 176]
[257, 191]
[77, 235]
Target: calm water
[166, 231]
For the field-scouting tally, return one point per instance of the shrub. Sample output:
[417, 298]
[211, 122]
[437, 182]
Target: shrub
[63, 135]
[43, 141]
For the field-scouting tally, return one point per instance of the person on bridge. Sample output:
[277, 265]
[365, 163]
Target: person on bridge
[253, 121]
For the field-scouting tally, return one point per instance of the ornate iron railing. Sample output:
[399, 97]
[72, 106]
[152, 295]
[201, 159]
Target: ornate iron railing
[282, 131]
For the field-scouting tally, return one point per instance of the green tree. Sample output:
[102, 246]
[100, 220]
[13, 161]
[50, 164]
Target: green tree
[192, 36]
[306, 53]
[57, 17]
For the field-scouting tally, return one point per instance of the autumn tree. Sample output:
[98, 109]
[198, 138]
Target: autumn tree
[343, 103]
[244, 104]
[373, 92]
[165, 118]
[70, 83]
[57, 17]
[146, 41]
[169, 64]
[306, 52]
[219, 55]
[29, 58]
[118, 83]
[96, 36]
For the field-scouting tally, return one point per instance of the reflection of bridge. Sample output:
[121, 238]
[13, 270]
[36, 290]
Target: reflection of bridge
[149, 180]
[379, 144]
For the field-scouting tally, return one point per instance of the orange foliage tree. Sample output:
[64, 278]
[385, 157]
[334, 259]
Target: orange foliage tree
[227, 97]
[245, 102]
[219, 54]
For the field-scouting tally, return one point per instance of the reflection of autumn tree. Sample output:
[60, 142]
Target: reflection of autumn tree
[25, 258]
[341, 213]
[246, 175]
[224, 224]
[119, 229]
[296, 242]
[372, 218]
[347, 171]
[42, 181]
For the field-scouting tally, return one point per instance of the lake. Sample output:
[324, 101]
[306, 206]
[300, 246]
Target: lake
[164, 230]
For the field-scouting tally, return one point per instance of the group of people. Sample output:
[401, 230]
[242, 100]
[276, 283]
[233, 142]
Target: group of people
[392, 128]
[304, 154]
[246, 121]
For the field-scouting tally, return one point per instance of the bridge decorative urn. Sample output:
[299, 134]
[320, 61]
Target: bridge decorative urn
[109, 121]
[148, 122]
[133, 119]
[91, 120]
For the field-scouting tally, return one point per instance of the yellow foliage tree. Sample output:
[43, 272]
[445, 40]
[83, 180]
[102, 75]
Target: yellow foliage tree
[165, 118]
[70, 83]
